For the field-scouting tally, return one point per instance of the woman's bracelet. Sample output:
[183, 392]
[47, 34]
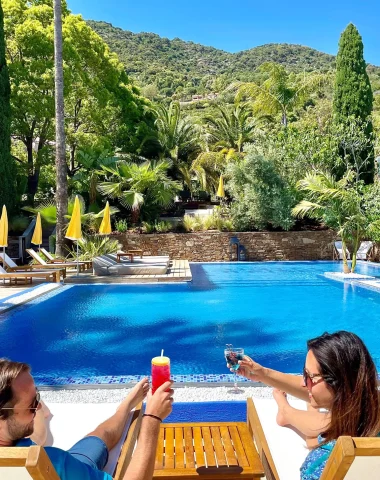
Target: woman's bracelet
[153, 416]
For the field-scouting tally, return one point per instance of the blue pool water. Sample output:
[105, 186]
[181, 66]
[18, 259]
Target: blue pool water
[270, 309]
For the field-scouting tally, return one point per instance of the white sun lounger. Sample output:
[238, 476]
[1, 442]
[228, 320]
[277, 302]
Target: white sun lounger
[338, 251]
[364, 250]
[70, 422]
[287, 449]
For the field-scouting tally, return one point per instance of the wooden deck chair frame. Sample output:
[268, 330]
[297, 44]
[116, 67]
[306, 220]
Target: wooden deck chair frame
[42, 262]
[37, 463]
[28, 276]
[10, 266]
[52, 260]
[256, 430]
[341, 458]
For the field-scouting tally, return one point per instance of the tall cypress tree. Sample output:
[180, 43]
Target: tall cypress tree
[7, 167]
[352, 92]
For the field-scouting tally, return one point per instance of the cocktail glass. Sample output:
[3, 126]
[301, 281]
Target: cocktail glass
[232, 356]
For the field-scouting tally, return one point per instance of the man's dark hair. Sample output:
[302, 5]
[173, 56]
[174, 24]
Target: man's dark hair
[9, 371]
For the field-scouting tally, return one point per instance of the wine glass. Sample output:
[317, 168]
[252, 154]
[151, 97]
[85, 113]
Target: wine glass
[232, 356]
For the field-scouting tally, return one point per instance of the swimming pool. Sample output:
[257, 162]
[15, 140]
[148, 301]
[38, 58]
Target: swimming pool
[270, 309]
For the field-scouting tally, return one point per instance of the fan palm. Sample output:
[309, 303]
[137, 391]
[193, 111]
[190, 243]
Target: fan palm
[281, 92]
[339, 204]
[138, 184]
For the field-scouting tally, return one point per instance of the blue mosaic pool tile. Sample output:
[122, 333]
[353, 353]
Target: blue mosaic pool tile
[42, 380]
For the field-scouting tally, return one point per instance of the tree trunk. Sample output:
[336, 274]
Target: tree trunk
[60, 147]
[346, 268]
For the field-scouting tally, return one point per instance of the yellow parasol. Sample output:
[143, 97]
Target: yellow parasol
[105, 226]
[74, 231]
[4, 229]
[37, 234]
[220, 193]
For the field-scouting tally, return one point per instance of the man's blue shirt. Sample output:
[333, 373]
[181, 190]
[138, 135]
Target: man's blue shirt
[67, 466]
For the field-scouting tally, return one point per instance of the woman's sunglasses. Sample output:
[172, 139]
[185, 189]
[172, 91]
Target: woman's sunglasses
[33, 408]
[314, 377]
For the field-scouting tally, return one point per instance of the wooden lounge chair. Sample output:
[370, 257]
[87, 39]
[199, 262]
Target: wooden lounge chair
[12, 267]
[65, 265]
[34, 463]
[338, 251]
[351, 458]
[26, 277]
[51, 259]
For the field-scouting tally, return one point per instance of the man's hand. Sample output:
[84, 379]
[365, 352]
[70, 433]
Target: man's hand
[160, 403]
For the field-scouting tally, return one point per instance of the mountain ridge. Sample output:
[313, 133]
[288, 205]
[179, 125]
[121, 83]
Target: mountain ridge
[179, 66]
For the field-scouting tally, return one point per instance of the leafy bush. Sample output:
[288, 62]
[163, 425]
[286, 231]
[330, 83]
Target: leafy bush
[192, 224]
[149, 227]
[163, 226]
[121, 225]
[95, 245]
[261, 196]
[18, 224]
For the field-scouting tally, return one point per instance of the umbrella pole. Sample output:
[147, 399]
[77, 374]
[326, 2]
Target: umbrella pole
[77, 259]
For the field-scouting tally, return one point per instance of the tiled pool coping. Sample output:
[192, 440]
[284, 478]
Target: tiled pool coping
[124, 380]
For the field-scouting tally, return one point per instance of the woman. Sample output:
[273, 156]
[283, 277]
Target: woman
[339, 377]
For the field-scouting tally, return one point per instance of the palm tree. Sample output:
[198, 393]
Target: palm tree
[281, 92]
[177, 134]
[90, 220]
[88, 174]
[208, 166]
[339, 204]
[60, 155]
[135, 185]
[232, 126]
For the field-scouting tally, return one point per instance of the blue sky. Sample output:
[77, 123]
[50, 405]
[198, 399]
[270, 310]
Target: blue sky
[234, 26]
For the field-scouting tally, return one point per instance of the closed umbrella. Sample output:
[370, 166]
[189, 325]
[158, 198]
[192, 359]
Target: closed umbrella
[37, 234]
[105, 226]
[4, 229]
[220, 193]
[74, 231]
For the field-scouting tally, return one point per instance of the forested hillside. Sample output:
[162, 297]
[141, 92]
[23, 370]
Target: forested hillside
[175, 67]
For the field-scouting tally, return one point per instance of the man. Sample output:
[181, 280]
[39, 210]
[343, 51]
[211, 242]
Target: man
[20, 402]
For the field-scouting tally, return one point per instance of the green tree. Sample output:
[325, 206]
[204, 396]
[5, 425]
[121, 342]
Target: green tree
[281, 92]
[261, 196]
[139, 186]
[353, 96]
[339, 204]
[102, 107]
[231, 126]
[176, 133]
[7, 168]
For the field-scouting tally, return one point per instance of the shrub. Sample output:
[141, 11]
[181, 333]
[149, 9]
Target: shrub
[261, 196]
[163, 226]
[95, 245]
[148, 227]
[192, 224]
[121, 225]
[18, 224]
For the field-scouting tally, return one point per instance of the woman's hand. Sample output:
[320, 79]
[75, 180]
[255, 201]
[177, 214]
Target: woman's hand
[250, 369]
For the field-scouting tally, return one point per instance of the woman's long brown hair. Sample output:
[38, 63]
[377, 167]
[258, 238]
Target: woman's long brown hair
[349, 371]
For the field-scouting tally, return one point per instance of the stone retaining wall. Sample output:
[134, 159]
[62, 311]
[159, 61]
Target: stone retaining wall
[214, 246]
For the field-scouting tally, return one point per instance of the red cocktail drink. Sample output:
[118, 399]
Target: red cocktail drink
[160, 371]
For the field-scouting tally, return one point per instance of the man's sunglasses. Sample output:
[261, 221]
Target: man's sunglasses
[314, 377]
[33, 408]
